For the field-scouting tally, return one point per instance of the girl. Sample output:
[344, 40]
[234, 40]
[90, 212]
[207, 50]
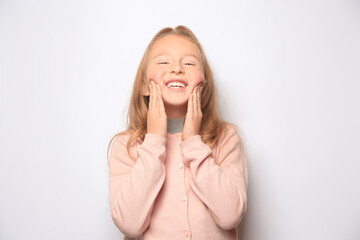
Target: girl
[178, 171]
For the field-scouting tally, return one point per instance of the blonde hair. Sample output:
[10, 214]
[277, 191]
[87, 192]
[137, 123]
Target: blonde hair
[212, 125]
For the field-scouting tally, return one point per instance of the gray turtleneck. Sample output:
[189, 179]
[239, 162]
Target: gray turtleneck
[175, 125]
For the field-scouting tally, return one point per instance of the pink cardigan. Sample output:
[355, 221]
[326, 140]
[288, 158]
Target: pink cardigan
[178, 189]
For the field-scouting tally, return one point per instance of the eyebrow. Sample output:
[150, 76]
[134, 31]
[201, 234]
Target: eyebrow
[186, 55]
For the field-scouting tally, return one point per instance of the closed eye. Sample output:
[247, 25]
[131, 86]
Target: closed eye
[189, 63]
[163, 62]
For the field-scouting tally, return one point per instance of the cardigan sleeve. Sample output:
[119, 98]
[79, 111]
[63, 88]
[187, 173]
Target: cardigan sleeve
[220, 183]
[134, 186]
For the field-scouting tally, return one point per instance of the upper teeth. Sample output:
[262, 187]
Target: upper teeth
[175, 84]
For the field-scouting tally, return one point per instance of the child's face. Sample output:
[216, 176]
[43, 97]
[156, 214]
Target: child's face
[175, 58]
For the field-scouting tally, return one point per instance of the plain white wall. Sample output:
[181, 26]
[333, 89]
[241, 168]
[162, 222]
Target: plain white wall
[287, 72]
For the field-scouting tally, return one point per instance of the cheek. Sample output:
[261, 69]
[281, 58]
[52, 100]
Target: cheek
[155, 75]
[198, 77]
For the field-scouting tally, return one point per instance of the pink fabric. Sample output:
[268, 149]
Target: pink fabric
[178, 189]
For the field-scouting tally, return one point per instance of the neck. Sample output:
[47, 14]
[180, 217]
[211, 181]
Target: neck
[174, 112]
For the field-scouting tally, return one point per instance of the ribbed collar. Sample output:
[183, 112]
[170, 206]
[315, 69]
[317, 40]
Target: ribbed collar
[175, 125]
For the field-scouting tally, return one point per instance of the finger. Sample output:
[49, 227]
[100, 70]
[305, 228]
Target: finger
[154, 94]
[194, 100]
[198, 102]
[151, 96]
[153, 87]
[190, 104]
[159, 101]
[201, 93]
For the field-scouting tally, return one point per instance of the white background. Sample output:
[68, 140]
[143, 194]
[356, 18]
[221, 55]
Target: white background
[288, 73]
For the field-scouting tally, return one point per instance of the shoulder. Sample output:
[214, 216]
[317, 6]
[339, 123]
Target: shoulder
[119, 142]
[118, 150]
[229, 141]
[230, 134]
[122, 138]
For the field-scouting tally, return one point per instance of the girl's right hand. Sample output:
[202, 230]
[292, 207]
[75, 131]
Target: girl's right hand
[156, 115]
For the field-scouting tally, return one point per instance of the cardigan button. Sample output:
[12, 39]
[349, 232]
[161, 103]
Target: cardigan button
[181, 165]
[186, 233]
[183, 199]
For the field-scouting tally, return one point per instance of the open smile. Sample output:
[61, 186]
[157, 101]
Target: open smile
[176, 85]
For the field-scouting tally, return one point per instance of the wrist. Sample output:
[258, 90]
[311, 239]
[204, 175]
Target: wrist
[187, 136]
[161, 134]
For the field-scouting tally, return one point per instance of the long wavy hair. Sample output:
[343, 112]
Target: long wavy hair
[212, 125]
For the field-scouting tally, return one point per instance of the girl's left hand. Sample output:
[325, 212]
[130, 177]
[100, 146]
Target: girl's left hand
[193, 117]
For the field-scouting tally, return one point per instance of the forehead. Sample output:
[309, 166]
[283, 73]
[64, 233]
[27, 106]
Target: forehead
[174, 44]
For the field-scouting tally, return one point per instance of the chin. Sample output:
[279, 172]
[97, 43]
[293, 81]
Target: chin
[176, 103]
[175, 99]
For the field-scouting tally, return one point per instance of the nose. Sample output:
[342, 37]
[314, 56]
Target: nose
[177, 68]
